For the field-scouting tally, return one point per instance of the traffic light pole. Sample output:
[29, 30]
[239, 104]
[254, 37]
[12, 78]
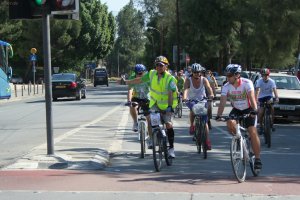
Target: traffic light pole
[48, 85]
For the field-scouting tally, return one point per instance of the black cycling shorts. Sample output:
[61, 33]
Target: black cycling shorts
[249, 121]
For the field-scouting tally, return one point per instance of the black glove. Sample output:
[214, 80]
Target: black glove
[253, 112]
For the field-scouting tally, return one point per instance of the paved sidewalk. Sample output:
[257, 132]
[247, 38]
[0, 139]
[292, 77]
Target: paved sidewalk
[24, 91]
[85, 148]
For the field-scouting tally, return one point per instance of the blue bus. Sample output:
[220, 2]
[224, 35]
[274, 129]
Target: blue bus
[6, 52]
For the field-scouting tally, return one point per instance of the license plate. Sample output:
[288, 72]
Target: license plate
[287, 108]
[60, 86]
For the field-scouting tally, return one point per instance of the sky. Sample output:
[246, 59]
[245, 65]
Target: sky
[115, 5]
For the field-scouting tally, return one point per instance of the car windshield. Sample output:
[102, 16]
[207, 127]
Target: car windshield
[286, 82]
[69, 77]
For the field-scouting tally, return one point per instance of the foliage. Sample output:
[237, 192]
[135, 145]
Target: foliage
[72, 42]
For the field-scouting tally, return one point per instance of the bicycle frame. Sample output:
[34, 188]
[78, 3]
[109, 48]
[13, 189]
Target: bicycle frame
[159, 138]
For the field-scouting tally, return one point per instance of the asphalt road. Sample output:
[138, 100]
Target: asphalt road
[102, 123]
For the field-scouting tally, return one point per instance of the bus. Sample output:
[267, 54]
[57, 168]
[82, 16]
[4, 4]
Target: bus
[6, 52]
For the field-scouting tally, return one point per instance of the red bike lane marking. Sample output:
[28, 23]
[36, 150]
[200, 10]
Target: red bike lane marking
[69, 180]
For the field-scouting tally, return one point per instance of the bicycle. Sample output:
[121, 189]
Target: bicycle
[240, 149]
[159, 141]
[199, 108]
[142, 125]
[267, 122]
[178, 109]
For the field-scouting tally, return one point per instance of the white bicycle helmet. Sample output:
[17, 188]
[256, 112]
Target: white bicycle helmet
[233, 69]
[196, 67]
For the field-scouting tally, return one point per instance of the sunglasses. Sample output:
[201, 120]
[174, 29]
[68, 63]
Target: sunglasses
[159, 65]
[196, 72]
[140, 73]
[229, 75]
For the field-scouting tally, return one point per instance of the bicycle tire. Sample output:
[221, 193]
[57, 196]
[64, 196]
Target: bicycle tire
[142, 131]
[197, 135]
[267, 128]
[238, 164]
[203, 138]
[157, 150]
[168, 159]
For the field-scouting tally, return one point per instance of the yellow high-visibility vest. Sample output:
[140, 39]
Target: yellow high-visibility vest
[159, 90]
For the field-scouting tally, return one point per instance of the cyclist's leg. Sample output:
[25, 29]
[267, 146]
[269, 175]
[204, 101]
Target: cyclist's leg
[167, 118]
[272, 118]
[192, 125]
[251, 123]
[260, 117]
[231, 123]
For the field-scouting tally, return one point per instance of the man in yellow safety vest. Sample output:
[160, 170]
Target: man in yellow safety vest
[163, 94]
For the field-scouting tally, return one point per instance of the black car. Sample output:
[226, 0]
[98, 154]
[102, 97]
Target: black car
[100, 77]
[68, 85]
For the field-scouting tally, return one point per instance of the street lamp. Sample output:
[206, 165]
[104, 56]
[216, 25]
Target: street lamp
[160, 36]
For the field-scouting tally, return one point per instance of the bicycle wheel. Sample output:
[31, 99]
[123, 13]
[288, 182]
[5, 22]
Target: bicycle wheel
[179, 111]
[197, 135]
[267, 128]
[237, 161]
[203, 137]
[157, 150]
[168, 159]
[142, 131]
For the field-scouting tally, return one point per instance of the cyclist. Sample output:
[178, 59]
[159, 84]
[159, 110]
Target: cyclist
[163, 94]
[138, 93]
[180, 82]
[212, 81]
[265, 87]
[195, 89]
[188, 72]
[240, 91]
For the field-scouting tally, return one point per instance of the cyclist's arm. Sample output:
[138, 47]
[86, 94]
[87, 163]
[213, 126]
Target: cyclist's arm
[172, 88]
[208, 88]
[276, 93]
[221, 107]
[186, 88]
[257, 91]
[252, 99]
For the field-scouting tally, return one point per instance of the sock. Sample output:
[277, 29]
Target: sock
[170, 133]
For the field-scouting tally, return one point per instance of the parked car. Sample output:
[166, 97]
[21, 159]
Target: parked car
[15, 79]
[100, 77]
[288, 88]
[220, 80]
[68, 85]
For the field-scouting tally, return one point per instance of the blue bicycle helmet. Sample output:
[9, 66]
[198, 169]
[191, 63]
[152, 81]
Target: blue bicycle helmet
[139, 68]
[233, 69]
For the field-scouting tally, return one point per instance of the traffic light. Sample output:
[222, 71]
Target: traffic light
[27, 9]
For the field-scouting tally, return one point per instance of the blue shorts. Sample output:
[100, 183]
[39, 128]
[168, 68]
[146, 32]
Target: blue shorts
[264, 99]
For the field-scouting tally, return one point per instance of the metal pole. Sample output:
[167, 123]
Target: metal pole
[48, 86]
[178, 35]
[33, 71]
[118, 64]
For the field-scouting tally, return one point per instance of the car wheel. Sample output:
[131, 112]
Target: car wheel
[95, 85]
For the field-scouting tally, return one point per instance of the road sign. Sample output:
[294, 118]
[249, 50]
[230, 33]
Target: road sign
[32, 57]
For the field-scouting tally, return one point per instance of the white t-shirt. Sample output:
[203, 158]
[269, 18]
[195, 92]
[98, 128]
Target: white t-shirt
[196, 93]
[238, 96]
[266, 89]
